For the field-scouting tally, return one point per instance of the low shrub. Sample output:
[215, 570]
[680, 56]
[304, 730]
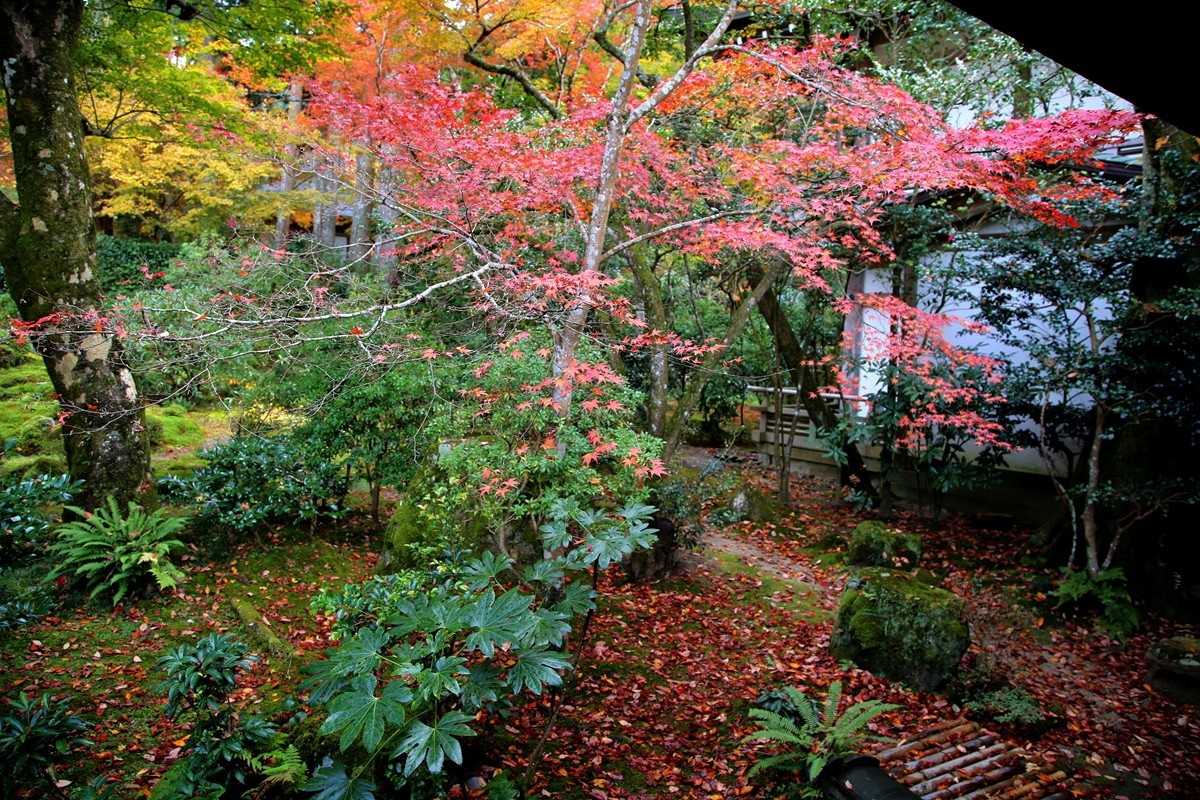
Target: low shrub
[26, 508]
[113, 553]
[427, 660]
[1106, 594]
[221, 749]
[253, 480]
[34, 733]
[18, 608]
[124, 264]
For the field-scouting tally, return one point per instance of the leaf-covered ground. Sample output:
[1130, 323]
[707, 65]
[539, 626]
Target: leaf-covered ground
[658, 705]
[670, 671]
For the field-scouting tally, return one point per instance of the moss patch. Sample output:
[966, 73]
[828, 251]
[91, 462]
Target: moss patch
[901, 628]
[172, 429]
[771, 591]
[876, 545]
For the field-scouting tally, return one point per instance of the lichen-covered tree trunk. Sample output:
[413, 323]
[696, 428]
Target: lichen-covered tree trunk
[48, 250]
[651, 291]
[287, 180]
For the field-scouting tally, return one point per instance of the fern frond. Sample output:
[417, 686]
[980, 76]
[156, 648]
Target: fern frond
[792, 762]
[833, 701]
[804, 706]
[776, 727]
[288, 768]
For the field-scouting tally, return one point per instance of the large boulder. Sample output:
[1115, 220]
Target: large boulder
[901, 628]
[1173, 668]
[876, 545]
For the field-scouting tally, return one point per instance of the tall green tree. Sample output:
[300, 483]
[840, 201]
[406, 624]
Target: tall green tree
[47, 237]
[49, 254]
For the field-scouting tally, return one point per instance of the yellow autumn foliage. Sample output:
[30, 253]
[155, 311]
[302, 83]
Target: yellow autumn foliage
[183, 184]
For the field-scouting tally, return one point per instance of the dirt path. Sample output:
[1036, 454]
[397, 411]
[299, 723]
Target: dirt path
[773, 564]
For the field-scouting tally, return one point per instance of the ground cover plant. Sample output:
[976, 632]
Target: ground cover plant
[658, 701]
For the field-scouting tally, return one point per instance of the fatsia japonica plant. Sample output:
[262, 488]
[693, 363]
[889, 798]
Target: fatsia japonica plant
[431, 661]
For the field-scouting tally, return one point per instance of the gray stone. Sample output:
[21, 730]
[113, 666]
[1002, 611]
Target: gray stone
[1173, 668]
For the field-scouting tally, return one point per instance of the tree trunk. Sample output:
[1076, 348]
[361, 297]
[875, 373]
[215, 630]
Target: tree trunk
[385, 247]
[1153, 450]
[566, 338]
[325, 209]
[287, 181]
[650, 290]
[48, 247]
[855, 473]
[1090, 500]
[694, 389]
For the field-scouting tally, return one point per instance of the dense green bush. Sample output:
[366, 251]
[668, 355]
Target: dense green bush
[109, 552]
[34, 733]
[124, 263]
[375, 427]
[221, 747]
[25, 508]
[252, 480]
[505, 458]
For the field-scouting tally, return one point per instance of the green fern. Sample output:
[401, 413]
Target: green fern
[281, 767]
[812, 734]
[110, 552]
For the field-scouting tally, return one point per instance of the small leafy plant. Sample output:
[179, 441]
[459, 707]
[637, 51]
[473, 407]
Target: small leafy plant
[34, 733]
[812, 734]
[1012, 705]
[113, 553]
[25, 508]
[221, 747]
[1107, 590]
[425, 658]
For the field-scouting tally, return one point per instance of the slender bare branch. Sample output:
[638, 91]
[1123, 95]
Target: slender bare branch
[676, 226]
[664, 88]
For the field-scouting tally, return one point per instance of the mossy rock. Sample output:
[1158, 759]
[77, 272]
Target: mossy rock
[900, 628]
[876, 545]
[1173, 668]
[18, 468]
[744, 504]
[40, 435]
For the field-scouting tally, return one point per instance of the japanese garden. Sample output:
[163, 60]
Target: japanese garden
[605, 399]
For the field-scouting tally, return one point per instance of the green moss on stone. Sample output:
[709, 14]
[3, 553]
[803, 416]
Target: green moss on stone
[900, 628]
[18, 468]
[876, 545]
[433, 513]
